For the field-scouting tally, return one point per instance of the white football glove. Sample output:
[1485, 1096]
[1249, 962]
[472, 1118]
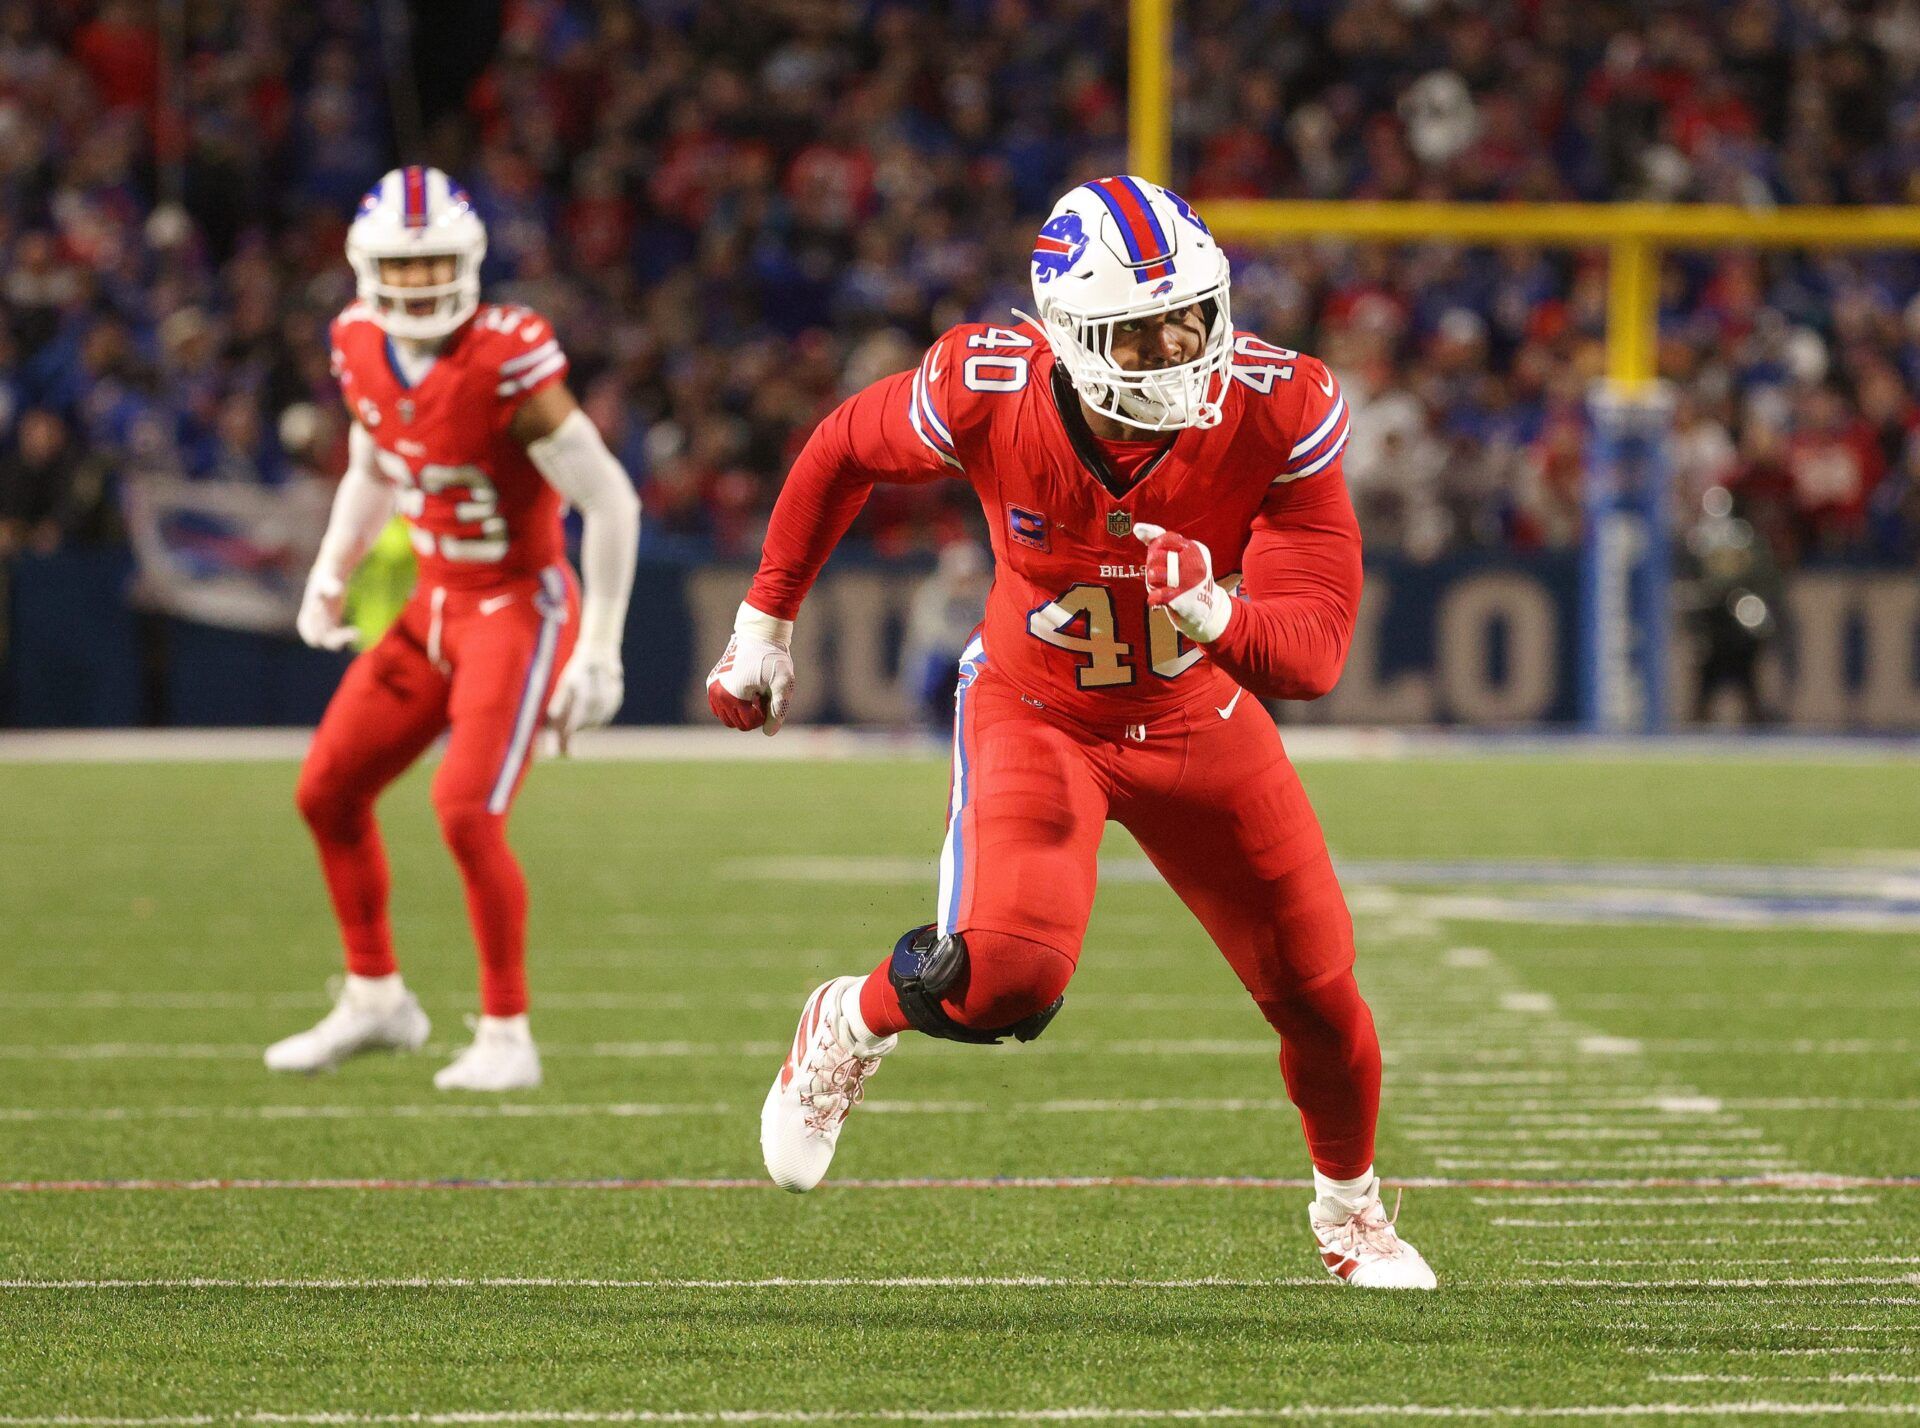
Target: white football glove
[752, 685]
[1180, 579]
[322, 609]
[587, 694]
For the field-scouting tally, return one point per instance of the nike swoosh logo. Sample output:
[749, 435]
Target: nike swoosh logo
[495, 602]
[933, 367]
[1227, 713]
[1327, 386]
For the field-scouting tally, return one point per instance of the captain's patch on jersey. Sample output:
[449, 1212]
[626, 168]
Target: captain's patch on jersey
[1027, 527]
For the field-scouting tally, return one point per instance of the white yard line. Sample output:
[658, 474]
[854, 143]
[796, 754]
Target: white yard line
[547, 1001]
[1575, 1169]
[1632, 1119]
[1004, 1183]
[1290, 1412]
[1495, 1109]
[1021, 1281]
[616, 1050]
[1760, 1159]
[1621, 1263]
[621, 1110]
[1638, 1200]
[1833, 1351]
[928, 1281]
[1513, 1223]
[1582, 1135]
[1783, 1378]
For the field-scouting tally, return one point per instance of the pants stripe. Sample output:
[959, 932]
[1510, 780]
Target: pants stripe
[533, 692]
[953, 853]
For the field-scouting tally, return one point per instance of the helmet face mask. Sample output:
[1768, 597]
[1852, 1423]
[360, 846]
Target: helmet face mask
[417, 213]
[1168, 398]
[1120, 250]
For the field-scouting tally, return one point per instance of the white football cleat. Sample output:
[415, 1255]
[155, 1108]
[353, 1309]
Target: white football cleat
[1361, 1247]
[824, 1078]
[370, 1014]
[502, 1058]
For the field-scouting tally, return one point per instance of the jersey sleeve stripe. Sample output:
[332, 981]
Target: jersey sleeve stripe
[1320, 433]
[925, 385]
[528, 359]
[533, 378]
[920, 413]
[1322, 462]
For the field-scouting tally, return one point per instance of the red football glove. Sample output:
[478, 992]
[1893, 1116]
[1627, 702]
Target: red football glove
[1180, 579]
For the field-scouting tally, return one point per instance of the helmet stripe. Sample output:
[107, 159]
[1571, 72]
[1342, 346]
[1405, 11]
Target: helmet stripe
[1160, 244]
[1146, 241]
[414, 200]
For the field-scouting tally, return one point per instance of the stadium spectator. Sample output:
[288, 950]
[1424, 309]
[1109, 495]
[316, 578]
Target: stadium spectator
[731, 207]
[51, 489]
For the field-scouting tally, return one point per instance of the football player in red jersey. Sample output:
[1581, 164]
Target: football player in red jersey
[462, 422]
[1140, 464]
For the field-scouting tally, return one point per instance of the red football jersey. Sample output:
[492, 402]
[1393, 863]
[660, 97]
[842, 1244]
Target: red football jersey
[481, 512]
[1067, 620]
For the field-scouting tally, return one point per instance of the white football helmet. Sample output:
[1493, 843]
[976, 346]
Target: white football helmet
[417, 212]
[1122, 248]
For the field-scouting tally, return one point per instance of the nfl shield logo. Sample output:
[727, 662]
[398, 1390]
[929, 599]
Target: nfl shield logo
[1119, 523]
[406, 409]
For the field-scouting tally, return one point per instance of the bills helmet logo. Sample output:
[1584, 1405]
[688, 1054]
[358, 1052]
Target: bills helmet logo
[1162, 289]
[1058, 247]
[1185, 210]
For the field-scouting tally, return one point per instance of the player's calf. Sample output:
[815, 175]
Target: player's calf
[978, 987]
[930, 984]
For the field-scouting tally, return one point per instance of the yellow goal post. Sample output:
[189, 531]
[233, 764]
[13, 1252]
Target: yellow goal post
[1634, 234]
[1624, 618]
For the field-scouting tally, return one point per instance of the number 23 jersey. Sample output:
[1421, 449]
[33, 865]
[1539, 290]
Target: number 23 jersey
[1068, 624]
[480, 511]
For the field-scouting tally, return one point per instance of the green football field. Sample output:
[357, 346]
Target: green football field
[1652, 1084]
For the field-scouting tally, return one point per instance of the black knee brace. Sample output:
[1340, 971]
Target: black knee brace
[925, 967]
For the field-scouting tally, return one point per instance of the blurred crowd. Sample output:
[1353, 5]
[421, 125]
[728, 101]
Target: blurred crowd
[737, 210]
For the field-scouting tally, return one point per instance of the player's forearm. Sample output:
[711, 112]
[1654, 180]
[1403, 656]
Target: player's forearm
[575, 462]
[1285, 649]
[1289, 638]
[823, 493]
[362, 506]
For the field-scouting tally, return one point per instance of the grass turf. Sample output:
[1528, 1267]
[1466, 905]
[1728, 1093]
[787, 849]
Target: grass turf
[164, 921]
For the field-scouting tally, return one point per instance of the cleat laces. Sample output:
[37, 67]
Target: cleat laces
[831, 1100]
[1368, 1230]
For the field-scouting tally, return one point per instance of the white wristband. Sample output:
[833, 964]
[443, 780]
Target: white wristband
[750, 621]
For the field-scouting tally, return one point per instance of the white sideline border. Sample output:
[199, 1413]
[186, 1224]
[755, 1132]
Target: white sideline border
[674, 744]
[1290, 1412]
[1821, 1184]
[959, 1281]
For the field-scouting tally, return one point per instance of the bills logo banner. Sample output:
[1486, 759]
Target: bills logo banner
[228, 553]
[1027, 527]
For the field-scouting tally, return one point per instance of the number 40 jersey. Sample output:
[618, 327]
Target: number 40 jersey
[480, 511]
[1067, 622]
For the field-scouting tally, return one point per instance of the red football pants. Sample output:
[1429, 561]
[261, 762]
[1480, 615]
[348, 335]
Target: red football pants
[480, 664]
[1217, 807]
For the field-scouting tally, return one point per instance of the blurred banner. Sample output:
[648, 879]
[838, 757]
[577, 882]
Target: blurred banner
[1487, 641]
[234, 554]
